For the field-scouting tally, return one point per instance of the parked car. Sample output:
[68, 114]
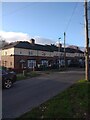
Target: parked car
[8, 78]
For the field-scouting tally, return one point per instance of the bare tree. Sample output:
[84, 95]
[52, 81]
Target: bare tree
[3, 42]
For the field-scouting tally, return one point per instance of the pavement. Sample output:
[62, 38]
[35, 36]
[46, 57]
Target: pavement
[27, 94]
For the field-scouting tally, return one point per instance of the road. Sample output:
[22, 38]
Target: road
[27, 94]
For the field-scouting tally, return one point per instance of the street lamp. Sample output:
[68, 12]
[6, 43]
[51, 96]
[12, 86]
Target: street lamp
[65, 49]
[59, 52]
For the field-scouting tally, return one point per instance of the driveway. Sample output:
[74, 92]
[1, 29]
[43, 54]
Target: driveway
[27, 94]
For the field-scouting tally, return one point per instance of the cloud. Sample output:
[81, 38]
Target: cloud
[19, 36]
[43, 41]
[14, 36]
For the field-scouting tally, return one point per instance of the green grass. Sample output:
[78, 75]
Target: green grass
[33, 74]
[28, 75]
[71, 103]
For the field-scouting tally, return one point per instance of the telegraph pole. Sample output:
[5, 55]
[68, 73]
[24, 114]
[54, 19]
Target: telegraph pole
[65, 49]
[59, 54]
[87, 44]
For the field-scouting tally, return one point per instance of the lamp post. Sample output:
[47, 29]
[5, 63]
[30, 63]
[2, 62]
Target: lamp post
[59, 53]
[65, 49]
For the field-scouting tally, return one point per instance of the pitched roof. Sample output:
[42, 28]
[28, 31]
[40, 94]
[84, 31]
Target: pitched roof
[11, 45]
[72, 50]
[27, 45]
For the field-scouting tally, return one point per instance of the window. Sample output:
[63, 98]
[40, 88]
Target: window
[31, 63]
[5, 63]
[69, 62]
[30, 53]
[43, 53]
[20, 52]
[44, 62]
[62, 63]
[80, 60]
[10, 63]
[5, 53]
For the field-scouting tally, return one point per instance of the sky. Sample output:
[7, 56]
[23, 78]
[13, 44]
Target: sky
[44, 21]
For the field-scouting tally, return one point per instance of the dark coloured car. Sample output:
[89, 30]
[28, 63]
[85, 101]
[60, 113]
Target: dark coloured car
[8, 78]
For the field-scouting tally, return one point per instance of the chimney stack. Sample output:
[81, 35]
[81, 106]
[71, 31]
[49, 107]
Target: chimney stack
[32, 41]
[59, 45]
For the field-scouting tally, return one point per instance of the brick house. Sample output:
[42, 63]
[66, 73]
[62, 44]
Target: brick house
[23, 54]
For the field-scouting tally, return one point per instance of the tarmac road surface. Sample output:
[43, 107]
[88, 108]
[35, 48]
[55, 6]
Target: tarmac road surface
[27, 94]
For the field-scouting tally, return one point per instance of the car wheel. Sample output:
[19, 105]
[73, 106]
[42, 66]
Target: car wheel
[7, 84]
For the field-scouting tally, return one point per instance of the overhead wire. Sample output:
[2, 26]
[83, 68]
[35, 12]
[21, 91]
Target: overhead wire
[70, 19]
[68, 24]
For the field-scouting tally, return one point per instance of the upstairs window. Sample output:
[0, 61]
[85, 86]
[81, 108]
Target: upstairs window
[30, 53]
[20, 52]
[5, 53]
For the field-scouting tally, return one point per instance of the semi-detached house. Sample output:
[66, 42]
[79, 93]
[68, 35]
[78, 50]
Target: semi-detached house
[24, 54]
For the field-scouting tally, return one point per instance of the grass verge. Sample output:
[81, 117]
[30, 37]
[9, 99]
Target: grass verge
[28, 75]
[71, 103]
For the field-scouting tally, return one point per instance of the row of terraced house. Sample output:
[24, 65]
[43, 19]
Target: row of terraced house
[28, 55]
